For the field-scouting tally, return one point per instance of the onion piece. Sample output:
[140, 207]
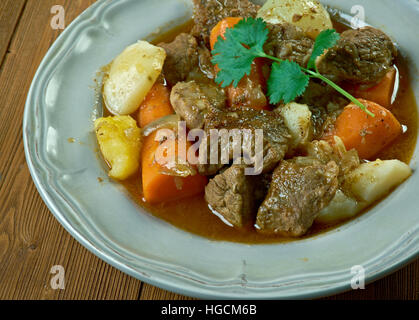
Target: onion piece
[170, 122]
[173, 168]
[177, 169]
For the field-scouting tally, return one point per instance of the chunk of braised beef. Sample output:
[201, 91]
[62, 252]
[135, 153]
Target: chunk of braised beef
[235, 195]
[186, 59]
[276, 136]
[347, 160]
[192, 100]
[207, 13]
[325, 104]
[318, 94]
[299, 190]
[362, 56]
[230, 195]
[288, 42]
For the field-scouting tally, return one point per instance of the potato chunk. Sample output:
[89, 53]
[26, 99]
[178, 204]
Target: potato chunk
[374, 180]
[340, 208]
[131, 75]
[309, 15]
[368, 183]
[119, 140]
[297, 118]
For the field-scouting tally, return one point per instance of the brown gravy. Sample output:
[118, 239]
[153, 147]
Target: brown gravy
[193, 214]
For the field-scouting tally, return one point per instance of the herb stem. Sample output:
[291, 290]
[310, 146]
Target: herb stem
[316, 74]
[262, 54]
[339, 89]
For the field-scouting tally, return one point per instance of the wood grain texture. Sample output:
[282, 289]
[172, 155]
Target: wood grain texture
[31, 240]
[10, 13]
[150, 292]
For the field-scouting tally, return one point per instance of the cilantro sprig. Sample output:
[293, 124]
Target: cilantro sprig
[244, 43]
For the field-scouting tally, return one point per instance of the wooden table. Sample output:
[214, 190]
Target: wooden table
[31, 240]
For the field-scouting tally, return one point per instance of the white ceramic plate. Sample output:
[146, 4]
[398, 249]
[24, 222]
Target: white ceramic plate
[101, 216]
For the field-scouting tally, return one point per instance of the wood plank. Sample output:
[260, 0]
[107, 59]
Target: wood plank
[31, 240]
[150, 292]
[10, 12]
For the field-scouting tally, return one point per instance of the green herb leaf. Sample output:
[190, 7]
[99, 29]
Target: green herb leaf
[253, 33]
[235, 54]
[244, 42]
[325, 40]
[286, 82]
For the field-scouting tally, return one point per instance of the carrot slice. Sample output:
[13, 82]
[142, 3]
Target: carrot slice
[250, 90]
[368, 135]
[155, 105]
[221, 27]
[159, 187]
[380, 93]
